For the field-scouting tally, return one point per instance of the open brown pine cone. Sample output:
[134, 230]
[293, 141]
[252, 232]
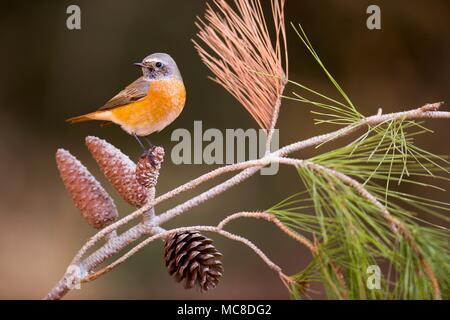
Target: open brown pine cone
[191, 257]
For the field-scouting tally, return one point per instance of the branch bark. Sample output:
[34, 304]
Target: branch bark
[150, 225]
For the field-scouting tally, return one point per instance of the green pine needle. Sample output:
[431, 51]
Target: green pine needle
[350, 233]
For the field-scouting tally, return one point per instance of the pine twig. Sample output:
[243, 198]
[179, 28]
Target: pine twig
[249, 168]
[270, 218]
[162, 233]
[396, 225]
[428, 111]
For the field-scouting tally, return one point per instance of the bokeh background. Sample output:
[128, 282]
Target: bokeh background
[49, 73]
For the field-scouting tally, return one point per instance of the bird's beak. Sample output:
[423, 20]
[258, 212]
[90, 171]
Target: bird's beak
[139, 64]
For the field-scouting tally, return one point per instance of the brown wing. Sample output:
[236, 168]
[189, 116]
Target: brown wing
[135, 91]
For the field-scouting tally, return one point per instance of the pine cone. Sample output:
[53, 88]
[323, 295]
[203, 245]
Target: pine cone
[148, 166]
[119, 170]
[91, 199]
[191, 257]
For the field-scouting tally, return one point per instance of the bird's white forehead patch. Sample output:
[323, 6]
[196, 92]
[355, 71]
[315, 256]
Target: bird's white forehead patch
[160, 57]
[152, 60]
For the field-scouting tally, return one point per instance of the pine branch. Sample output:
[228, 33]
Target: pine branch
[247, 168]
[352, 225]
[428, 111]
[396, 225]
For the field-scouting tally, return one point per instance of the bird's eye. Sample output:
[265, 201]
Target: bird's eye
[158, 64]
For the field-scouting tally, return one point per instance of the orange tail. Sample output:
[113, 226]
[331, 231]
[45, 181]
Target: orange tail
[102, 115]
[79, 119]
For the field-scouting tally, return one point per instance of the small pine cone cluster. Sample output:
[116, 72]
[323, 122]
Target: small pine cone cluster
[191, 257]
[119, 170]
[148, 166]
[94, 203]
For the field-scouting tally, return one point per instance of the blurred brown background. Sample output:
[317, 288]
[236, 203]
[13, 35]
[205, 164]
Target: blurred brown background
[50, 73]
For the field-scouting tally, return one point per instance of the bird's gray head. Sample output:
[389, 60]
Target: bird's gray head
[159, 66]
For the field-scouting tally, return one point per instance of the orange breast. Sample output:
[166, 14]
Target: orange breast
[163, 104]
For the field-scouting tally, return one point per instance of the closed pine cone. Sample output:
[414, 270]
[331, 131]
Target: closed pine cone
[94, 203]
[119, 169]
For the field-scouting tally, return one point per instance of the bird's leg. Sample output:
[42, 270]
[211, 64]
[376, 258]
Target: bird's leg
[149, 153]
[140, 142]
[150, 144]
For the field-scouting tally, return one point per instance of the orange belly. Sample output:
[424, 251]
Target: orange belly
[163, 104]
